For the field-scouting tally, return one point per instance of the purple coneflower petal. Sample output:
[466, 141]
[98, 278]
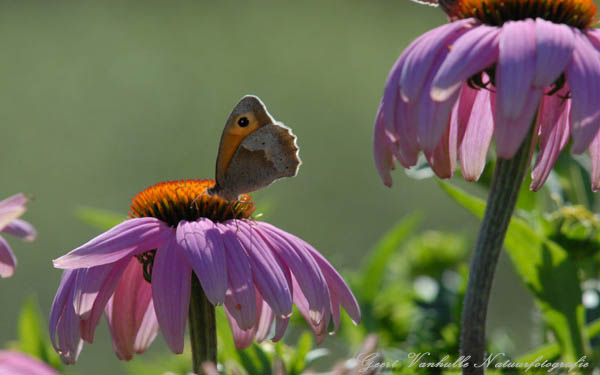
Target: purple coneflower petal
[20, 228]
[475, 133]
[443, 158]
[406, 137]
[171, 287]
[423, 55]
[555, 45]
[303, 266]
[11, 208]
[242, 338]
[16, 363]
[87, 286]
[8, 262]
[128, 238]
[240, 298]
[472, 52]
[595, 160]
[63, 322]
[554, 135]
[510, 133]
[318, 327]
[382, 149]
[268, 273]
[203, 247]
[265, 318]
[130, 313]
[583, 75]
[516, 68]
[594, 37]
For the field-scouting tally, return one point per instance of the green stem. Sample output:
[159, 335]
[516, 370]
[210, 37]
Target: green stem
[502, 198]
[203, 328]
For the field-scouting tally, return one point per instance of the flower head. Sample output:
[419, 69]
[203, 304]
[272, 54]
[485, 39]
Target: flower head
[498, 68]
[17, 363]
[10, 210]
[139, 274]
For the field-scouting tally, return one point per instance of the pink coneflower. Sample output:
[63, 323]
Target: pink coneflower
[17, 363]
[10, 210]
[141, 274]
[487, 74]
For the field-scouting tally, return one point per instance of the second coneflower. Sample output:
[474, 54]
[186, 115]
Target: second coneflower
[183, 244]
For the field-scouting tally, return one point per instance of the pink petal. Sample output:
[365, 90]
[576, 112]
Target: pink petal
[594, 37]
[8, 262]
[471, 53]
[128, 238]
[443, 158]
[67, 283]
[265, 318]
[382, 150]
[16, 363]
[99, 297]
[63, 322]
[516, 68]
[268, 273]
[240, 299]
[130, 313]
[555, 44]
[595, 160]
[11, 208]
[171, 287]
[281, 324]
[405, 137]
[304, 268]
[242, 338]
[477, 134]
[203, 247]
[423, 56]
[20, 228]
[553, 118]
[318, 327]
[583, 76]
[511, 133]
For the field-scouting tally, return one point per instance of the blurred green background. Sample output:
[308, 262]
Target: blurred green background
[101, 99]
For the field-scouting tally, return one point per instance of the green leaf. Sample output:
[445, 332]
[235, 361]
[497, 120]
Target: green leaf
[33, 337]
[298, 363]
[99, 218]
[547, 271]
[372, 280]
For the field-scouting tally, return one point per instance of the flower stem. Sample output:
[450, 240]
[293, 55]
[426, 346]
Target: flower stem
[203, 328]
[502, 198]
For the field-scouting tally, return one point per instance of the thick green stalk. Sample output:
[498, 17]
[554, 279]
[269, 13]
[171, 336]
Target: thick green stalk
[203, 328]
[502, 198]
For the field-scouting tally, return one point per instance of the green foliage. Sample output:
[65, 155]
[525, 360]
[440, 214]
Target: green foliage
[548, 272]
[33, 336]
[99, 218]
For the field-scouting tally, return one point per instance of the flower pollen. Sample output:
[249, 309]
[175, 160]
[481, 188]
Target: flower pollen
[576, 13]
[189, 200]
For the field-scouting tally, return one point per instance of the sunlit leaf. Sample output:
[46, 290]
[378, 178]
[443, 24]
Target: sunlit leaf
[99, 218]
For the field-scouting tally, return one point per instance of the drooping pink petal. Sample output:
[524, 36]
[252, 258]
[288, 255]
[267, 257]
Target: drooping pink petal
[515, 69]
[595, 161]
[265, 318]
[510, 133]
[471, 53]
[242, 338]
[382, 150]
[476, 136]
[268, 273]
[281, 324]
[20, 228]
[17, 363]
[63, 322]
[553, 118]
[443, 158]
[99, 298]
[405, 137]
[130, 313]
[203, 247]
[318, 327]
[583, 75]
[171, 287]
[555, 44]
[128, 238]
[11, 208]
[304, 268]
[88, 285]
[337, 285]
[8, 262]
[421, 58]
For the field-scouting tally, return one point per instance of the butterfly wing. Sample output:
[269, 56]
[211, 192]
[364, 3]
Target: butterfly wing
[265, 155]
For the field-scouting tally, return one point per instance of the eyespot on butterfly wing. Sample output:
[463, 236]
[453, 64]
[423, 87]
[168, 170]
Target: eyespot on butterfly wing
[255, 150]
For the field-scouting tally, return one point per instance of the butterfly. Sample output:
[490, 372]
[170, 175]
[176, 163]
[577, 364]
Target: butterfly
[255, 150]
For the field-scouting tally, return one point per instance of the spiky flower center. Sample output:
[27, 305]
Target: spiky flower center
[576, 13]
[188, 200]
